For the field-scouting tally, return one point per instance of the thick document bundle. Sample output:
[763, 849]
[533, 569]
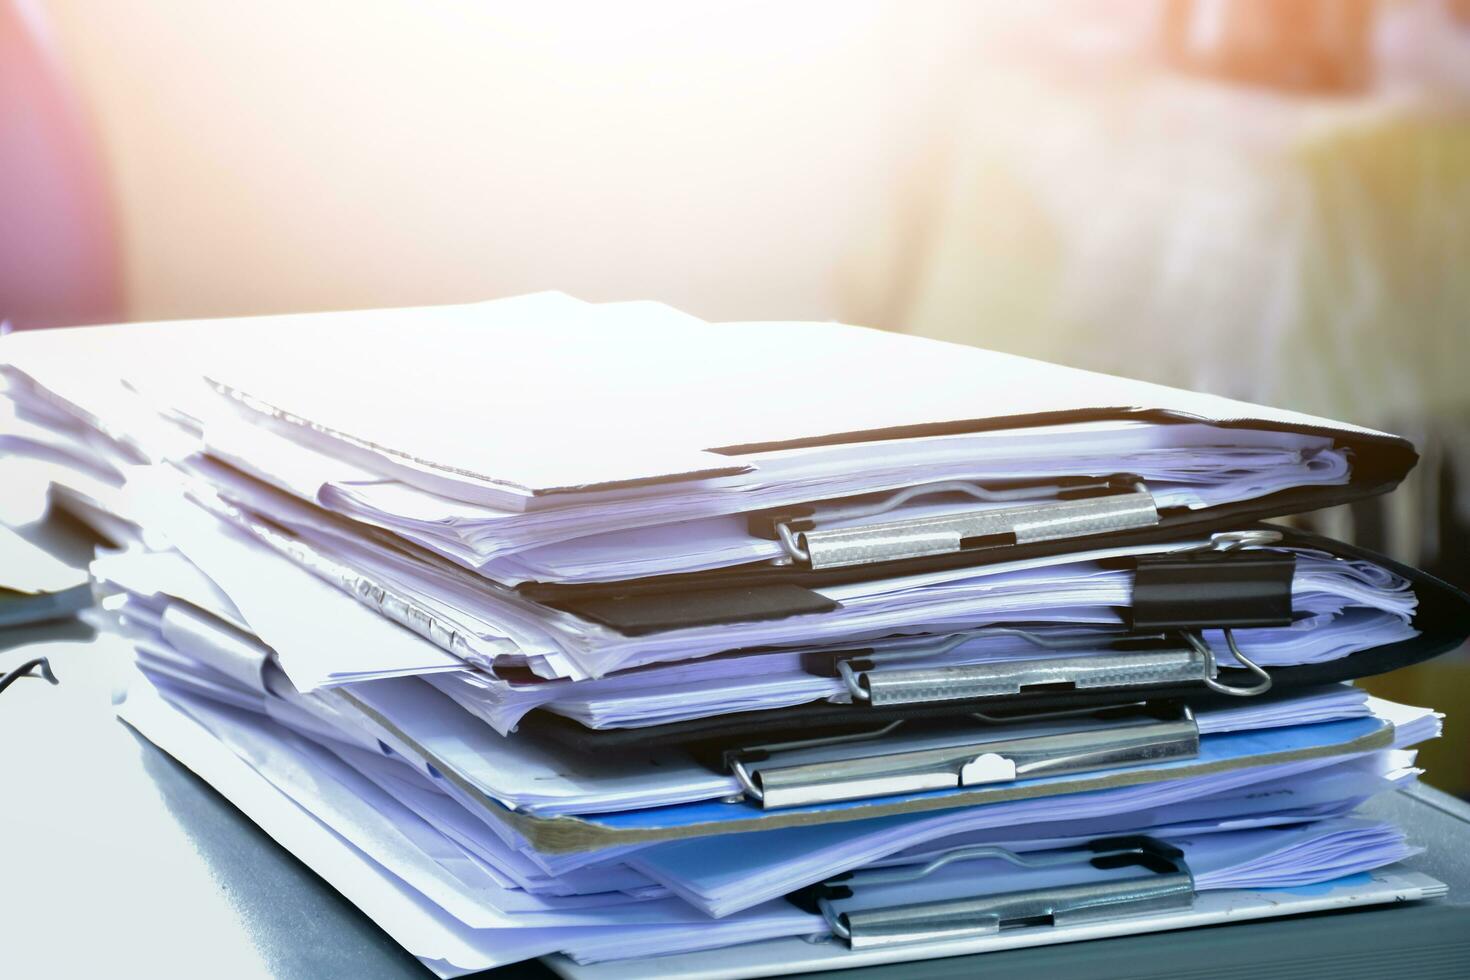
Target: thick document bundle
[508, 617]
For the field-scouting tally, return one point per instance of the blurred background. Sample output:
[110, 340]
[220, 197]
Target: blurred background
[1269, 199]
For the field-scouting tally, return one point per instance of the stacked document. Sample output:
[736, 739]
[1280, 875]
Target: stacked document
[650, 646]
[36, 586]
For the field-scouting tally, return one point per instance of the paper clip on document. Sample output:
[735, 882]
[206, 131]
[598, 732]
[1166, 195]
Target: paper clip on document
[1073, 509]
[786, 774]
[1168, 887]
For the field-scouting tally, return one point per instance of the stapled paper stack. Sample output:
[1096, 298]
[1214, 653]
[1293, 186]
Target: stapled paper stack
[660, 647]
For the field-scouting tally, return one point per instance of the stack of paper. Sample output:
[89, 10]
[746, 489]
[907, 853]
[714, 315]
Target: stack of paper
[36, 586]
[597, 632]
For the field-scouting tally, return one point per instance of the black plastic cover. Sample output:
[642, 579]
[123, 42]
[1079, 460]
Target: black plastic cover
[638, 613]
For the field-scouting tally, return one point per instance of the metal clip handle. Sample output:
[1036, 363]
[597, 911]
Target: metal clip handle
[918, 537]
[1171, 886]
[986, 760]
[1119, 661]
[975, 681]
[1191, 659]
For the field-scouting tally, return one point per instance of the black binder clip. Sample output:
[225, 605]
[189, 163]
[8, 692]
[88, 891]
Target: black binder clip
[1229, 584]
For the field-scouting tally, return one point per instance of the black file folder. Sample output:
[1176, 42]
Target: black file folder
[1228, 591]
[1121, 513]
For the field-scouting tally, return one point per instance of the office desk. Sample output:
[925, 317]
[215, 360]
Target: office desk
[119, 862]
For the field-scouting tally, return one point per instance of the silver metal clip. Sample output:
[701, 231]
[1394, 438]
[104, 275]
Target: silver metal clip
[811, 771]
[1103, 670]
[1169, 886]
[1037, 520]
[1165, 663]
[1237, 540]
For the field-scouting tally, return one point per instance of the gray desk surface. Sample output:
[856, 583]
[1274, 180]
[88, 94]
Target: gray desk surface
[119, 862]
